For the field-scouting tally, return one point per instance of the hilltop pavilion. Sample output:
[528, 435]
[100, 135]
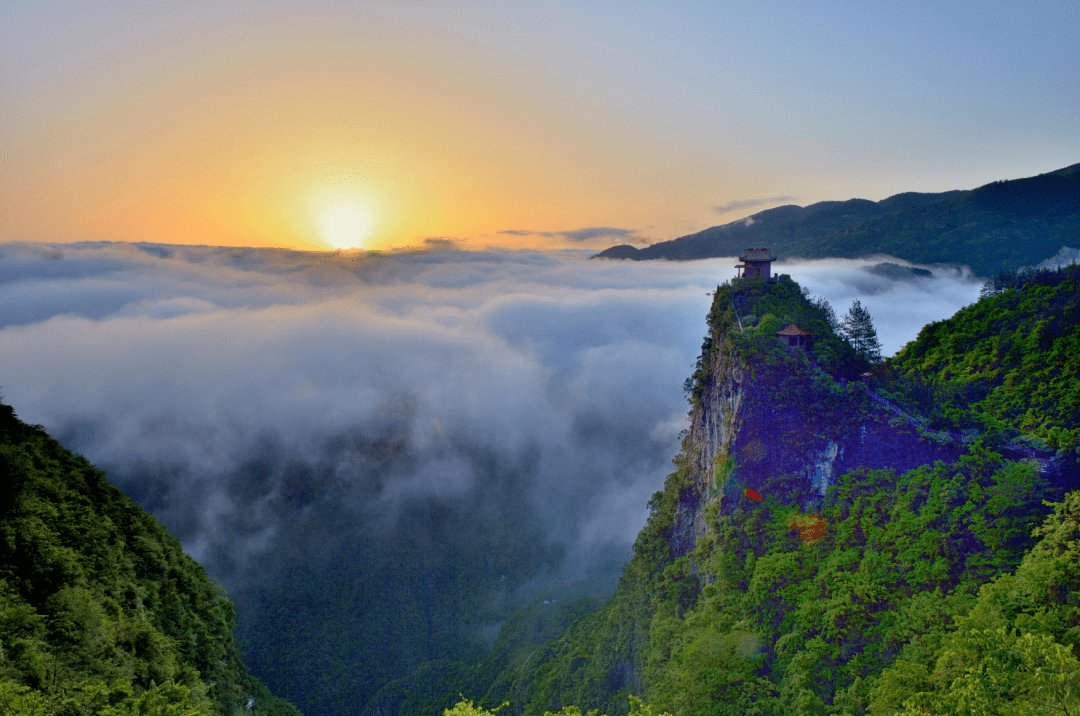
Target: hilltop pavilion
[794, 336]
[756, 263]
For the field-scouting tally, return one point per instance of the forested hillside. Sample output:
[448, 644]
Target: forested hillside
[1008, 363]
[101, 612]
[813, 552]
[778, 228]
[1000, 226]
[885, 568]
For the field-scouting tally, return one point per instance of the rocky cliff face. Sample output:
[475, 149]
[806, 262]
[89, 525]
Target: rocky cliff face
[770, 420]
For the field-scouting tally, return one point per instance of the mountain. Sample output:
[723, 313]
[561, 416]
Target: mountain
[1008, 362]
[101, 612]
[776, 228]
[1000, 226]
[837, 537]
[840, 537]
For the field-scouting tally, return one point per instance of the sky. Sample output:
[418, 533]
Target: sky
[515, 125]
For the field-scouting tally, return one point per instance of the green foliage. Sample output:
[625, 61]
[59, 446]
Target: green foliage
[779, 304]
[465, 707]
[1008, 363]
[758, 621]
[1015, 650]
[817, 622]
[858, 329]
[116, 698]
[101, 612]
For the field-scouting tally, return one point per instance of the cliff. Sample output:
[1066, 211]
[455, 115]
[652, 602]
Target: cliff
[771, 419]
[871, 539]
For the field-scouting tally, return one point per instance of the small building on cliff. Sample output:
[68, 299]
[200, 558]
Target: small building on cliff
[794, 336]
[756, 263]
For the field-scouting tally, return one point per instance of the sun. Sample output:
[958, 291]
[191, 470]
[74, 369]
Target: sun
[345, 226]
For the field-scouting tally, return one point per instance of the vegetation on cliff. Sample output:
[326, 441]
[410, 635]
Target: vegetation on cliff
[101, 612]
[812, 552]
[933, 578]
[1007, 364]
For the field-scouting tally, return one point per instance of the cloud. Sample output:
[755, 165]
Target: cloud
[183, 362]
[738, 204]
[597, 232]
[580, 235]
[508, 412]
[900, 307]
[442, 242]
[197, 356]
[1066, 256]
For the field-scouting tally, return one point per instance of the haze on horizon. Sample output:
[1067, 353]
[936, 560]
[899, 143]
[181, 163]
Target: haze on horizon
[540, 125]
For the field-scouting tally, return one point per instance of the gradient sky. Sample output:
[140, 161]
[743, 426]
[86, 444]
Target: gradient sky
[511, 124]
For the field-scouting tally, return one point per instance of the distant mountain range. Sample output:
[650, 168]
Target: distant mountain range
[1000, 226]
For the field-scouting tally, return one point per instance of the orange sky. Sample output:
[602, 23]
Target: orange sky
[192, 124]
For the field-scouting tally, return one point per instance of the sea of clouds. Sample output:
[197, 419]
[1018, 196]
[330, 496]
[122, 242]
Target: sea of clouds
[178, 368]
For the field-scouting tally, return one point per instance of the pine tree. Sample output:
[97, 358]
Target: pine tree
[858, 329]
[830, 315]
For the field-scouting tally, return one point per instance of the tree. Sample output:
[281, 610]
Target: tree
[829, 314]
[1000, 283]
[857, 329]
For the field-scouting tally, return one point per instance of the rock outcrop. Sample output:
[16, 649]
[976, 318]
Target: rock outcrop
[771, 420]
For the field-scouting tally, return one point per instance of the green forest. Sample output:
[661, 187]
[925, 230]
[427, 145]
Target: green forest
[812, 552]
[101, 611]
[950, 588]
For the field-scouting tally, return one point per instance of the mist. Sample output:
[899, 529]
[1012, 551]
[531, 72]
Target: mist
[507, 414]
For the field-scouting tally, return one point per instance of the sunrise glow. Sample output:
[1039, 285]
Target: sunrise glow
[346, 226]
[385, 124]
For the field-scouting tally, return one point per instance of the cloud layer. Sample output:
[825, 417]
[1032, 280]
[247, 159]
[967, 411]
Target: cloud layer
[583, 235]
[406, 439]
[737, 204]
[158, 361]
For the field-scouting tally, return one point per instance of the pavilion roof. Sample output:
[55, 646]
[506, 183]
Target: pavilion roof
[757, 255]
[792, 330]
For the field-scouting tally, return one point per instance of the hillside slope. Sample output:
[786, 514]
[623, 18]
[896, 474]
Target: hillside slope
[1000, 226]
[874, 541]
[100, 609]
[1007, 363]
[777, 228]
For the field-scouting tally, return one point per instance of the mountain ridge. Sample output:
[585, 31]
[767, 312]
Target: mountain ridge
[998, 226]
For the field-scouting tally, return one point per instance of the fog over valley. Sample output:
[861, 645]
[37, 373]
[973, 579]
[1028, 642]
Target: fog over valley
[171, 366]
[468, 423]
